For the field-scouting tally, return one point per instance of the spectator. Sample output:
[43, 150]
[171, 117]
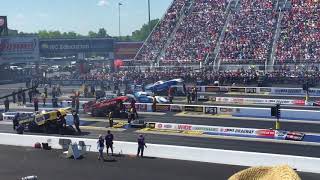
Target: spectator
[141, 145]
[100, 147]
[109, 142]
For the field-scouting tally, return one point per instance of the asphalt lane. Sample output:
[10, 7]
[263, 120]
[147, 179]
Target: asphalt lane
[51, 165]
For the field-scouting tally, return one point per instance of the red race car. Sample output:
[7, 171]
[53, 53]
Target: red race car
[100, 108]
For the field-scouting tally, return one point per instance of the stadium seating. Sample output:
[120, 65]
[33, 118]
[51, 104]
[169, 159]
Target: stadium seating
[199, 31]
[249, 34]
[299, 40]
[151, 49]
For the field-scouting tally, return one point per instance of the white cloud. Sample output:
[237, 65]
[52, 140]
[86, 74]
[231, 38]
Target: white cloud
[20, 16]
[103, 3]
[42, 15]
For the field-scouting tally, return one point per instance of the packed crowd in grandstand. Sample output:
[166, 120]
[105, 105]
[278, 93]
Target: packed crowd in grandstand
[236, 32]
[204, 77]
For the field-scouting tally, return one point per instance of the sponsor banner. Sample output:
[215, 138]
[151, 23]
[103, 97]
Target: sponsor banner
[175, 108]
[19, 49]
[168, 126]
[189, 108]
[236, 89]
[22, 115]
[141, 107]
[287, 91]
[314, 92]
[228, 110]
[242, 131]
[266, 133]
[232, 131]
[55, 46]
[259, 101]
[211, 110]
[251, 90]
[265, 90]
[211, 89]
[198, 109]
[189, 88]
[162, 108]
[193, 108]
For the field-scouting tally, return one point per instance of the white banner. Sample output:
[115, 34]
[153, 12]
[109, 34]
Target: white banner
[259, 101]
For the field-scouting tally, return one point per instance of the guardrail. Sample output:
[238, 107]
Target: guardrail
[305, 164]
[230, 131]
[254, 112]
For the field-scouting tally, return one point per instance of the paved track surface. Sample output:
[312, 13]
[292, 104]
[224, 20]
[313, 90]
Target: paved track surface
[203, 142]
[51, 165]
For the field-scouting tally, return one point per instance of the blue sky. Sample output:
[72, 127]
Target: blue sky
[80, 15]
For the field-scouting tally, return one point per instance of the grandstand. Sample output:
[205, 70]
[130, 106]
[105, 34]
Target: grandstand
[236, 33]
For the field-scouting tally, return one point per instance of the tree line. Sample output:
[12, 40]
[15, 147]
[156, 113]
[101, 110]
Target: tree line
[138, 35]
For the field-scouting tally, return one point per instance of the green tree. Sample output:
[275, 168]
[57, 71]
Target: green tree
[143, 33]
[102, 32]
[92, 34]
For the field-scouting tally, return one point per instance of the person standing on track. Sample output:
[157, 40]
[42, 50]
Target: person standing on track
[109, 142]
[141, 145]
[154, 103]
[36, 104]
[77, 104]
[100, 146]
[6, 105]
[110, 116]
[30, 96]
[76, 121]
[14, 97]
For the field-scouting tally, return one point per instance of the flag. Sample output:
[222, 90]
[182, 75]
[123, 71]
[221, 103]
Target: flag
[120, 4]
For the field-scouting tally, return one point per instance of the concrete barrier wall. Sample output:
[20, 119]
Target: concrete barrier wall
[293, 114]
[305, 164]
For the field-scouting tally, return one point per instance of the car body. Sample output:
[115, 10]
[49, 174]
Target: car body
[146, 97]
[161, 86]
[104, 106]
[41, 121]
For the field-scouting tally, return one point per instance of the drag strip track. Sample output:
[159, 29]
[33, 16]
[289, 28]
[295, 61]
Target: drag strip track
[204, 142]
[225, 122]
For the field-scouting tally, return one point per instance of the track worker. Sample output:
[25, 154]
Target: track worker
[6, 105]
[109, 142]
[154, 103]
[110, 117]
[100, 147]
[141, 145]
[76, 121]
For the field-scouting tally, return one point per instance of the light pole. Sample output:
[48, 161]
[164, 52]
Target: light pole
[149, 15]
[119, 5]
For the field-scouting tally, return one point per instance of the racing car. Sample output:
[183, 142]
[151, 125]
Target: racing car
[162, 87]
[146, 97]
[44, 121]
[102, 107]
